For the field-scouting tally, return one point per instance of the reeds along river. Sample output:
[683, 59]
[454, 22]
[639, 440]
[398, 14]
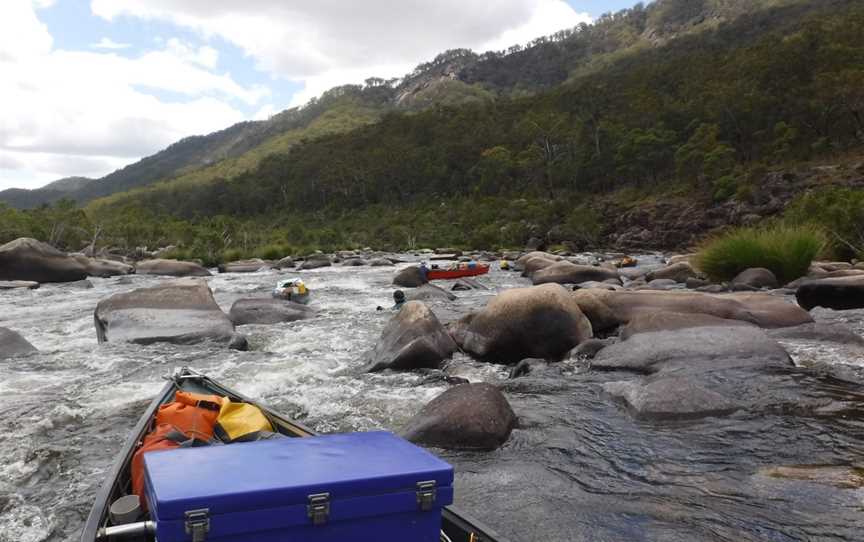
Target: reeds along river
[579, 467]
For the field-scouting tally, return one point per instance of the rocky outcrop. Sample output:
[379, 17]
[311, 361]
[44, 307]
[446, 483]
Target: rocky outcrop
[315, 261]
[569, 273]
[756, 277]
[608, 310]
[410, 277]
[413, 339]
[266, 310]
[244, 266]
[13, 344]
[31, 260]
[179, 312]
[354, 262]
[841, 293]
[647, 322]
[468, 416]
[540, 322]
[171, 268]
[380, 262]
[699, 372]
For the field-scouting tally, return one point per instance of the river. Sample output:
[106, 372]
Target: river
[579, 467]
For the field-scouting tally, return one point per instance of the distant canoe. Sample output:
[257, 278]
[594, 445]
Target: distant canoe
[449, 274]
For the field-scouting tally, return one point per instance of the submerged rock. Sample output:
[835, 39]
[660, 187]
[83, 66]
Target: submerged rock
[179, 312]
[267, 310]
[412, 339]
[171, 268]
[540, 322]
[467, 416]
[13, 344]
[698, 372]
[429, 292]
[31, 260]
[16, 284]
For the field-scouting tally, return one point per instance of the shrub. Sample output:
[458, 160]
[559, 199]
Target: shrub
[786, 250]
[840, 211]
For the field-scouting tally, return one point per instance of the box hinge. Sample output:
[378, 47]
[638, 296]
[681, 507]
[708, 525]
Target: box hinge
[198, 524]
[426, 495]
[318, 508]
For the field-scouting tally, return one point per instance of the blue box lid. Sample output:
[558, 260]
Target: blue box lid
[255, 475]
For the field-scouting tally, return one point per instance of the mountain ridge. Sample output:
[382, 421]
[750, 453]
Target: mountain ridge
[452, 78]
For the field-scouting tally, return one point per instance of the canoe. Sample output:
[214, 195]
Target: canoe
[456, 525]
[449, 274]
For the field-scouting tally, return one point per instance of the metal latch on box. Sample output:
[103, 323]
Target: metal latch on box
[198, 524]
[426, 495]
[318, 508]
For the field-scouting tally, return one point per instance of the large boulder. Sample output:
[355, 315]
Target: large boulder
[756, 277]
[31, 260]
[179, 312]
[285, 263]
[244, 266]
[413, 339]
[468, 416]
[679, 272]
[570, 273]
[267, 310]
[13, 344]
[171, 268]
[840, 293]
[429, 292]
[410, 277]
[380, 262]
[315, 261]
[354, 262]
[539, 322]
[608, 310]
[520, 262]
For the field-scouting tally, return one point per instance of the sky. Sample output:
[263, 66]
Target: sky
[89, 86]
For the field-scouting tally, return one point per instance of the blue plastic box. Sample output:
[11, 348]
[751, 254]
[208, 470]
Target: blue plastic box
[353, 487]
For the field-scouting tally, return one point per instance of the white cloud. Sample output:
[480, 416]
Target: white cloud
[108, 43]
[101, 105]
[98, 110]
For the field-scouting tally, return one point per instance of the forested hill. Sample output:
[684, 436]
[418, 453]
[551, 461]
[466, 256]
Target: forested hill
[683, 134]
[455, 77]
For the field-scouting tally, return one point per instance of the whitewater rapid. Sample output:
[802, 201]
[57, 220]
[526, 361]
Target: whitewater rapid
[579, 467]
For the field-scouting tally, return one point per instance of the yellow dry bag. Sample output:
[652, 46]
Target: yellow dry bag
[240, 421]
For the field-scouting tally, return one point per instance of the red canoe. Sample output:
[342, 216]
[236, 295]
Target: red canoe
[447, 274]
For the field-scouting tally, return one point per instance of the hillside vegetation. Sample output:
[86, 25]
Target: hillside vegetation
[681, 104]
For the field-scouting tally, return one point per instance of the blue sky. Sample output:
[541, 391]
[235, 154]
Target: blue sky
[101, 83]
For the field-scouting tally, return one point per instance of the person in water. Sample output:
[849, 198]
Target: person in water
[398, 300]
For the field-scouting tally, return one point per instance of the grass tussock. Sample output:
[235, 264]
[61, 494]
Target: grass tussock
[787, 251]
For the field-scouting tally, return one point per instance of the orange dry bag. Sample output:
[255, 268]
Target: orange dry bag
[189, 418]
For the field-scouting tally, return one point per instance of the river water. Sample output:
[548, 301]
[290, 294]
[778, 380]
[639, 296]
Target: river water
[579, 467]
